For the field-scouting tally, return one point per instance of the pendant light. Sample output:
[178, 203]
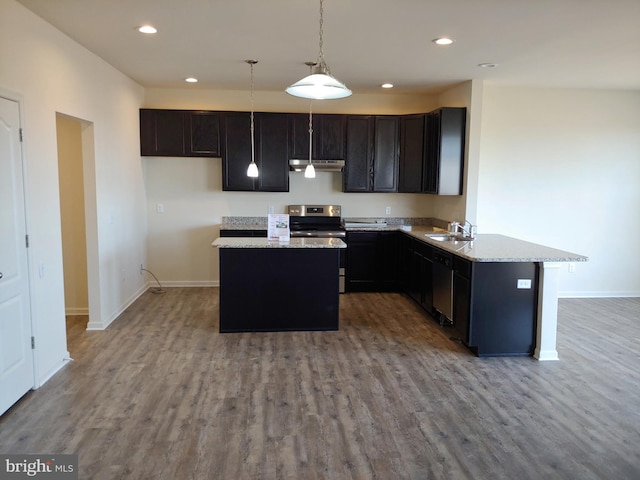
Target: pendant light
[310, 171]
[320, 85]
[252, 171]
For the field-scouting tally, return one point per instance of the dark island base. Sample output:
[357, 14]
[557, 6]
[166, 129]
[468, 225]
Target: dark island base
[279, 289]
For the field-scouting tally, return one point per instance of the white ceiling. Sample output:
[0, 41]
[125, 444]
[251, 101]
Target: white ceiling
[549, 43]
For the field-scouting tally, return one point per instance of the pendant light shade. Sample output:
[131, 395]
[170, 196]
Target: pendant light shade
[320, 85]
[310, 171]
[252, 170]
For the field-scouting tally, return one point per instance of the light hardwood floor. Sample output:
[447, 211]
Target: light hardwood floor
[161, 395]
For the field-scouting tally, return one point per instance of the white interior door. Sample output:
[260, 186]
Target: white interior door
[16, 355]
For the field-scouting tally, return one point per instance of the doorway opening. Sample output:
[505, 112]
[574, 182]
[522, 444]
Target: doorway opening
[76, 177]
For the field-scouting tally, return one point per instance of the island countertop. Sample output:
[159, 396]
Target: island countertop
[261, 242]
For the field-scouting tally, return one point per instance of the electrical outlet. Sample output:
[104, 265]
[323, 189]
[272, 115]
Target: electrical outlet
[270, 209]
[572, 267]
[524, 283]
[387, 210]
[159, 208]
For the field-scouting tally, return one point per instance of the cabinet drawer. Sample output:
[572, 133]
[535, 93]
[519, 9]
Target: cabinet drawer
[462, 267]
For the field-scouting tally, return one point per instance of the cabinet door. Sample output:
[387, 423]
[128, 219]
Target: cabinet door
[445, 151]
[202, 134]
[161, 133]
[385, 163]
[388, 261]
[236, 151]
[329, 136]
[272, 154]
[330, 143]
[361, 261]
[299, 136]
[358, 171]
[412, 131]
[461, 298]
[424, 271]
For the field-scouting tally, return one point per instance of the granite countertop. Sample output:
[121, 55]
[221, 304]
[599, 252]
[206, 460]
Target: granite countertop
[261, 242]
[484, 248]
[491, 247]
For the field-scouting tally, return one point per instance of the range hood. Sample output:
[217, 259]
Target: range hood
[296, 165]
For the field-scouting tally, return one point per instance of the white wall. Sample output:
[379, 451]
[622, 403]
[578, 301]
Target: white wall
[53, 74]
[190, 189]
[562, 168]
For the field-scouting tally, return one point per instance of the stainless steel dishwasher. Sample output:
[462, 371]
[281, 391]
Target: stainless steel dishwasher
[442, 273]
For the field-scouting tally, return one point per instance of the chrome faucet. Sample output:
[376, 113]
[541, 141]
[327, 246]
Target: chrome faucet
[468, 230]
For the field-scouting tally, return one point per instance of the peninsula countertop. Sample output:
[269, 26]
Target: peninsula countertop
[261, 242]
[491, 247]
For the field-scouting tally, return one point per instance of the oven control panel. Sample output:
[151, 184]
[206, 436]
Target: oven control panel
[314, 210]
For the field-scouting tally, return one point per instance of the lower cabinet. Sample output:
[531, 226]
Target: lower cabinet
[492, 314]
[502, 316]
[372, 263]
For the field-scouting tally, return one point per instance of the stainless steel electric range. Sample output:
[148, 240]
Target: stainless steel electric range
[319, 221]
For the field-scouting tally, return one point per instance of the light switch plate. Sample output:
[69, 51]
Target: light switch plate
[524, 283]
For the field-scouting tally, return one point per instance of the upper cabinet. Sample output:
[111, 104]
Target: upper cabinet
[418, 153]
[372, 154]
[202, 134]
[444, 151]
[271, 152]
[179, 133]
[329, 136]
[412, 132]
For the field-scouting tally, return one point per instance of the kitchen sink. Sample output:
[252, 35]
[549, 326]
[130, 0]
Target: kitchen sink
[445, 237]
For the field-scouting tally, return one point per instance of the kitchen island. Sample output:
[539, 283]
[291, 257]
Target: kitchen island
[268, 286]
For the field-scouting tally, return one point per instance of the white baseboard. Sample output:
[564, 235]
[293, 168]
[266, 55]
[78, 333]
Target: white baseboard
[188, 283]
[101, 325]
[47, 376]
[599, 294]
[76, 311]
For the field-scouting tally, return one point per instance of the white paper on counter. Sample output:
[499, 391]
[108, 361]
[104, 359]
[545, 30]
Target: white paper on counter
[278, 227]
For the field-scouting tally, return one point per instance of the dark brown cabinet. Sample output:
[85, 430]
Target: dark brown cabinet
[416, 271]
[202, 134]
[329, 136]
[373, 261]
[412, 132]
[161, 133]
[271, 152]
[179, 133]
[444, 151]
[372, 154]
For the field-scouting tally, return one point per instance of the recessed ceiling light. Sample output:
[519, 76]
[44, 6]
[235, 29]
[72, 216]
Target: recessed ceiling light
[442, 41]
[387, 85]
[487, 65]
[147, 29]
[191, 80]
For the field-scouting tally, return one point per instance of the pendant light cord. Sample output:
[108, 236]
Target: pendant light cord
[310, 132]
[252, 63]
[321, 63]
[321, 55]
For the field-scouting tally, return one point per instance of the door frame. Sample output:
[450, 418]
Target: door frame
[18, 98]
